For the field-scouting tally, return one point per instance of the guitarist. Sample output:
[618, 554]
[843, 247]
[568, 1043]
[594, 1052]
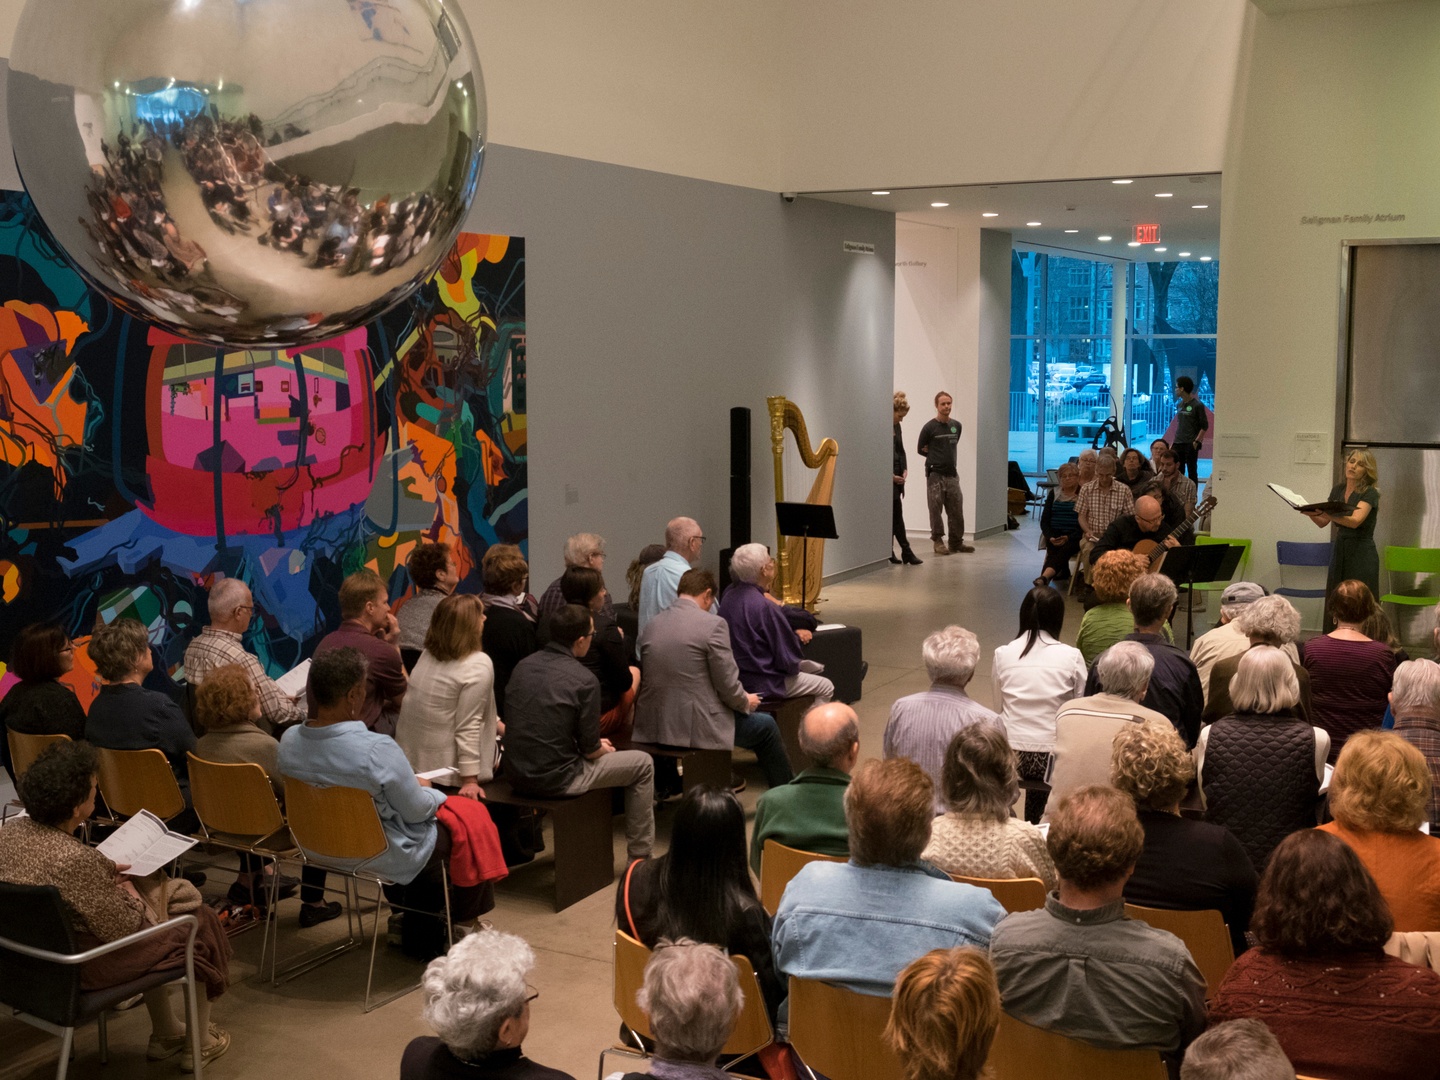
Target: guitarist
[1148, 522]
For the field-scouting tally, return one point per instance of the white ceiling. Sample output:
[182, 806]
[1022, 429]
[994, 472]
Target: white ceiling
[1094, 208]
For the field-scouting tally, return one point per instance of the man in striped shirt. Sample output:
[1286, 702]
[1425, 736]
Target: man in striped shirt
[231, 608]
[1099, 503]
[922, 725]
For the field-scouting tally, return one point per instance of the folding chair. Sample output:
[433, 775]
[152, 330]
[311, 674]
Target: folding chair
[752, 1031]
[24, 749]
[1022, 1052]
[135, 780]
[40, 970]
[1014, 894]
[1290, 553]
[1204, 934]
[333, 827]
[837, 1032]
[237, 809]
[1412, 561]
[778, 864]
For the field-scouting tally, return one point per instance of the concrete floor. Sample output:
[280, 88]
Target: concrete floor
[313, 1025]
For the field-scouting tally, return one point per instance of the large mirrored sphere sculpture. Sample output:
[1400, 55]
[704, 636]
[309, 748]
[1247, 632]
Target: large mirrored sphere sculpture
[249, 172]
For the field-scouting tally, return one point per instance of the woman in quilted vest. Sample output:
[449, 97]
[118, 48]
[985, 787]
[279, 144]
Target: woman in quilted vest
[1261, 767]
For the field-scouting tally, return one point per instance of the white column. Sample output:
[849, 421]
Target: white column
[1119, 322]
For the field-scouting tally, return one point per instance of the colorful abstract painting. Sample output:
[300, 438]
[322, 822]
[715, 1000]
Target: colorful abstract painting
[136, 467]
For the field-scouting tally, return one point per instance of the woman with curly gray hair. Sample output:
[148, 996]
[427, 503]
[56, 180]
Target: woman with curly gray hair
[478, 1001]
[1185, 865]
[692, 997]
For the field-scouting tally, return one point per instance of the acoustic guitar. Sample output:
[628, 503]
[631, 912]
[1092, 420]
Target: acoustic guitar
[1155, 550]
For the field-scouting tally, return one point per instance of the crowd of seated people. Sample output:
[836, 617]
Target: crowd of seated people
[1120, 745]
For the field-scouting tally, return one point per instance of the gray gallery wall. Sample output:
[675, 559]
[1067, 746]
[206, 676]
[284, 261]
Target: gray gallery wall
[655, 303]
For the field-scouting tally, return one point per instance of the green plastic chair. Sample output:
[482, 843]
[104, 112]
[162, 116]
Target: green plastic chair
[1233, 541]
[1411, 560]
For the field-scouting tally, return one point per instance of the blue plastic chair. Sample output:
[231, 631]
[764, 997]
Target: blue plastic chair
[1291, 553]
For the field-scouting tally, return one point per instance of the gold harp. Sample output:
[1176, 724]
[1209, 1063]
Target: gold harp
[791, 555]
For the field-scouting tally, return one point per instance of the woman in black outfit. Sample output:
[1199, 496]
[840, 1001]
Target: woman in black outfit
[40, 704]
[701, 889]
[900, 472]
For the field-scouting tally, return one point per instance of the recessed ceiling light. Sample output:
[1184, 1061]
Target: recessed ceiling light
[1204, 258]
[879, 193]
[1200, 206]
[1162, 249]
[937, 205]
[1103, 239]
[1122, 181]
[1134, 243]
[1032, 224]
[989, 213]
[1184, 254]
[1072, 230]
[1164, 194]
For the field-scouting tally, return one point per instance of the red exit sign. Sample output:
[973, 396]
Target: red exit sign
[1147, 234]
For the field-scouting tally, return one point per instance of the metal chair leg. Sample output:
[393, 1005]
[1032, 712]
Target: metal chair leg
[67, 1044]
[104, 1034]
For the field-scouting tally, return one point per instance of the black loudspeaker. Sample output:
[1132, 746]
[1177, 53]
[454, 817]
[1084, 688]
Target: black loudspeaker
[739, 477]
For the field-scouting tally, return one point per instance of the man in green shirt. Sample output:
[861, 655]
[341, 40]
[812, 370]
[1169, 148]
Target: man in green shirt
[809, 812]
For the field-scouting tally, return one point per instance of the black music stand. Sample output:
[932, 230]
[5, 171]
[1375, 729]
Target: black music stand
[811, 521]
[1186, 565]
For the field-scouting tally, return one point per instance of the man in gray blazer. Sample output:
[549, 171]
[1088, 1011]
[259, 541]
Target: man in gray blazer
[690, 692]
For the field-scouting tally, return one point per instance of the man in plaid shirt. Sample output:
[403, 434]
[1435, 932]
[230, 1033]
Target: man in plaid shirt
[1415, 700]
[1099, 503]
[231, 609]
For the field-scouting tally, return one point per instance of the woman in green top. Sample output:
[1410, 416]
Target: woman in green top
[1353, 553]
[1109, 621]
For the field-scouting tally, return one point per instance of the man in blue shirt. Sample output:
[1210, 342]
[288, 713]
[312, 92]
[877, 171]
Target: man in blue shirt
[858, 924]
[683, 540]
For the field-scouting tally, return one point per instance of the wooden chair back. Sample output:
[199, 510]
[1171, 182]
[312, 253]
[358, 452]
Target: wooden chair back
[752, 1028]
[837, 1032]
[333, 822]
[778, 864]
[135, 780]
[234, 800]
[24, 749]
[1014, 894]
[1022, 1052]
[1204, 934]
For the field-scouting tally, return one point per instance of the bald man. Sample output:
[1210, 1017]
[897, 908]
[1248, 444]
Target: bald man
[1148, 522]
[683, 541]
[809, 812]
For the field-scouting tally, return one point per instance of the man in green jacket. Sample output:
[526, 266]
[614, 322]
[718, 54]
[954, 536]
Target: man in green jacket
[808, 813]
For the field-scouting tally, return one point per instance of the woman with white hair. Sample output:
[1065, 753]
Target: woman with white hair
[692, 998]
[478, 1001]
[1269, 620]
[1260, 768]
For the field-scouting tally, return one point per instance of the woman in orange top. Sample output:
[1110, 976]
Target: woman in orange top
[1379, 796]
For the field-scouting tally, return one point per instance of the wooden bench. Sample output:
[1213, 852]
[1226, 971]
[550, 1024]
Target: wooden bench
[788, 712]
[696, 766]
[583, 837]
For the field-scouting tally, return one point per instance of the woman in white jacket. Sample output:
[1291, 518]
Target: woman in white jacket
[1032, 677]
[448, 718]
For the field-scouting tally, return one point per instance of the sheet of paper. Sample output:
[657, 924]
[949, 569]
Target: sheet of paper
[445, 777]
[1294, 498]
[145, 844]
[12, 814]
[830, 626]
[292, 683]
[1044, 828]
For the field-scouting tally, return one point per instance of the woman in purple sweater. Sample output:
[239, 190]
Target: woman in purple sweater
[1349, 673]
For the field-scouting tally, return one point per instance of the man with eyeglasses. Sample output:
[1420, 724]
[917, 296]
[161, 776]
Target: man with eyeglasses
[231, 609]
[683, 540]
[552, 737]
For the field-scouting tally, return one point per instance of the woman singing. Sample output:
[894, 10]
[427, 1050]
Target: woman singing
[1353, 554]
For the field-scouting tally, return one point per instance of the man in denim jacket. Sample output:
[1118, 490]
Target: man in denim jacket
[858, 924]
